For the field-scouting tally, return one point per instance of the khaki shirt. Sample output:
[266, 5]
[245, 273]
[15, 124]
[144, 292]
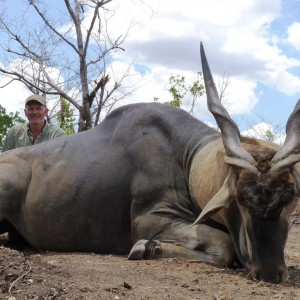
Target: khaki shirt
[20, 136]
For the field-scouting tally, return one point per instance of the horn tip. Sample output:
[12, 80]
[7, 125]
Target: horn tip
[201, 48]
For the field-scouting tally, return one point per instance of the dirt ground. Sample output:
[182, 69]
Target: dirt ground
[35, 275]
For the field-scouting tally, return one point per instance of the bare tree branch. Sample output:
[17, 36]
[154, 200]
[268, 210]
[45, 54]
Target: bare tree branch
[32, 2]
[70, 63]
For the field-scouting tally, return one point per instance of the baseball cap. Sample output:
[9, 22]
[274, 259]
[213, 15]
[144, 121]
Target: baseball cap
[37, 98]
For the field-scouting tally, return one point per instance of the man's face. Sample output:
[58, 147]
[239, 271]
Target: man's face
[35, 112]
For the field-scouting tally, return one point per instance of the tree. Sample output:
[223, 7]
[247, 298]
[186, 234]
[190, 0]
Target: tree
[7, 121]
[180, 90]
[269, 131]
[67, 54]
[65, 117]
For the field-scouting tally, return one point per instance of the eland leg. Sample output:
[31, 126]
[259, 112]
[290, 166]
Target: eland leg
[183, 240]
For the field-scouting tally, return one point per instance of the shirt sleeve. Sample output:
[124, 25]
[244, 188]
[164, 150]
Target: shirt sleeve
[9, 142]
[58, 132]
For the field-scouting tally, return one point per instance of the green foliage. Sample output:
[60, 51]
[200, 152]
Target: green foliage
[7, 121]
[177, 89]
[197, 88]
[269, 135]
[180, 89]
[66, 117]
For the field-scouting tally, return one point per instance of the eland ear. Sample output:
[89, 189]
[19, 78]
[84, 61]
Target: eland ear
[221, 199]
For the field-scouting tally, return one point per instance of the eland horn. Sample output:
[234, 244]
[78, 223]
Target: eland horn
[236, 154]
[289, 153]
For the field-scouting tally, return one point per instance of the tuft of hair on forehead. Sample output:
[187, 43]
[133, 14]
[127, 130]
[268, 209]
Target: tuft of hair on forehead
[261, 151]
[265, 194]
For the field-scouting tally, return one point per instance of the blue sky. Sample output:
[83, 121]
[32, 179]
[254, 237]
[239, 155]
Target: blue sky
[254, 43]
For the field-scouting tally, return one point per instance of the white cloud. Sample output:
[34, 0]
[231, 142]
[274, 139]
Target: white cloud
[262, 130]
[13, 96]
[293, 32]
[258, 130]
[284, 81]
[238, 37]
[240, 96]
[238, 40]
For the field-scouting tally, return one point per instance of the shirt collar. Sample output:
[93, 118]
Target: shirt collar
[43, 130]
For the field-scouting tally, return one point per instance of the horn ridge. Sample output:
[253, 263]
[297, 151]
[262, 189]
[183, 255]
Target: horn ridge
[229, 130]
[291, 145]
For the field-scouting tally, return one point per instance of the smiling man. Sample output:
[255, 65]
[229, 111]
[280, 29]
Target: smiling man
[37, 129]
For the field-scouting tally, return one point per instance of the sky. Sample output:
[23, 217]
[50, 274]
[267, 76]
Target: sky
[253, 44]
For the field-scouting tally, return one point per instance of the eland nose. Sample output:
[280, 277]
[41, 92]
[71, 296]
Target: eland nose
[270, 274]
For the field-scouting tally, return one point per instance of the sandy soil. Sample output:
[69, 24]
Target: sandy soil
[28, 274]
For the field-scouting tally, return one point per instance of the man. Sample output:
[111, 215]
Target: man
[37, 130]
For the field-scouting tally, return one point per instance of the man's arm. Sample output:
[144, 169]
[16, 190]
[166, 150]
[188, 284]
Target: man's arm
[58, 132]
[9, 142]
